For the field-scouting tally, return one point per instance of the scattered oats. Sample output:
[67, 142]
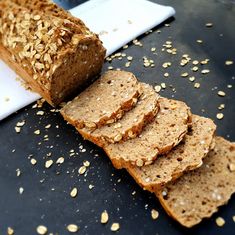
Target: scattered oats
[17, 129]
[203, 62]
[221, 106]
[72, 228]
[41, 229]
[163, 85]
[228, 62]
[137, 43]
[194, 69]
[125, 47]
[48, 126]
[157, 88]
[91, 186]
[234, 218]
[205, 71]
[18, 172]
[10, 231]
[192, 79]
[40, 113]
[199, 41]
[166, 65]
[37, 132]
[129, 58]
[133, 193]
[74, 192]
[195, 62]
[104, 217]
[60, 160]
[154, 214]
[209, 25]
[86, 163]
[219, 116]
[128, 64]
[221, 93]
[167, 25]
[33, 161]
[6, 99]
[110, 67]
[21, 190]
[232, 167]
[220, 221]
[48, 163]
[129, 22]
[82, 170]
[197, 85]
[166, 75]
[20, 124]
[229, 86]
[184, 75]
[153, 49]
[115, 227]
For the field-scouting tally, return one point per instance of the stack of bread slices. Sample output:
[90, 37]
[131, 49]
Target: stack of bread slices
[166, 149]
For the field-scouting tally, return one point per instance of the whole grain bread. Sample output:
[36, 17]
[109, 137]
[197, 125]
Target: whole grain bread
[53, 53]
[131, 124]
[160, 136]
[104, 101]
[199, 193]
[186, 156]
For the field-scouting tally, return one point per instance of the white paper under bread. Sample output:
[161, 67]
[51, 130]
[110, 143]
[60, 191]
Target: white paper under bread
[117, 21]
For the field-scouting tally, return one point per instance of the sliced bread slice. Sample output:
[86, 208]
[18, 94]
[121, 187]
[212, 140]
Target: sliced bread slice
[186, 156]
[160, 136]
[131, 124]
[199, 193]
[104, 101]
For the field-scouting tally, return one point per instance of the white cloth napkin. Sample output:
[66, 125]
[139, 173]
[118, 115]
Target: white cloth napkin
[116, 21]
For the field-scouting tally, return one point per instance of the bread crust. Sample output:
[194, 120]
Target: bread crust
[188, 155]
[199, 193]
[158, 137]
[131, 124]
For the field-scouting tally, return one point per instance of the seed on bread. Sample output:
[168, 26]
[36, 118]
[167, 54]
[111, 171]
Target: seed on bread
[85, 111]
[132, 122]
[161, 135]
[186, 156]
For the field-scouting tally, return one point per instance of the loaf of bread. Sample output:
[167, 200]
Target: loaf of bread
[52, 51]
[186, 156]
[131, 124]
[104, 102]
[160, 136]
[199, 193]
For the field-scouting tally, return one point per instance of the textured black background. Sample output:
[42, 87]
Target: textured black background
[48, 202]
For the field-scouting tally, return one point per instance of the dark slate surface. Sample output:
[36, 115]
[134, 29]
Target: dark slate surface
[46, 198]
